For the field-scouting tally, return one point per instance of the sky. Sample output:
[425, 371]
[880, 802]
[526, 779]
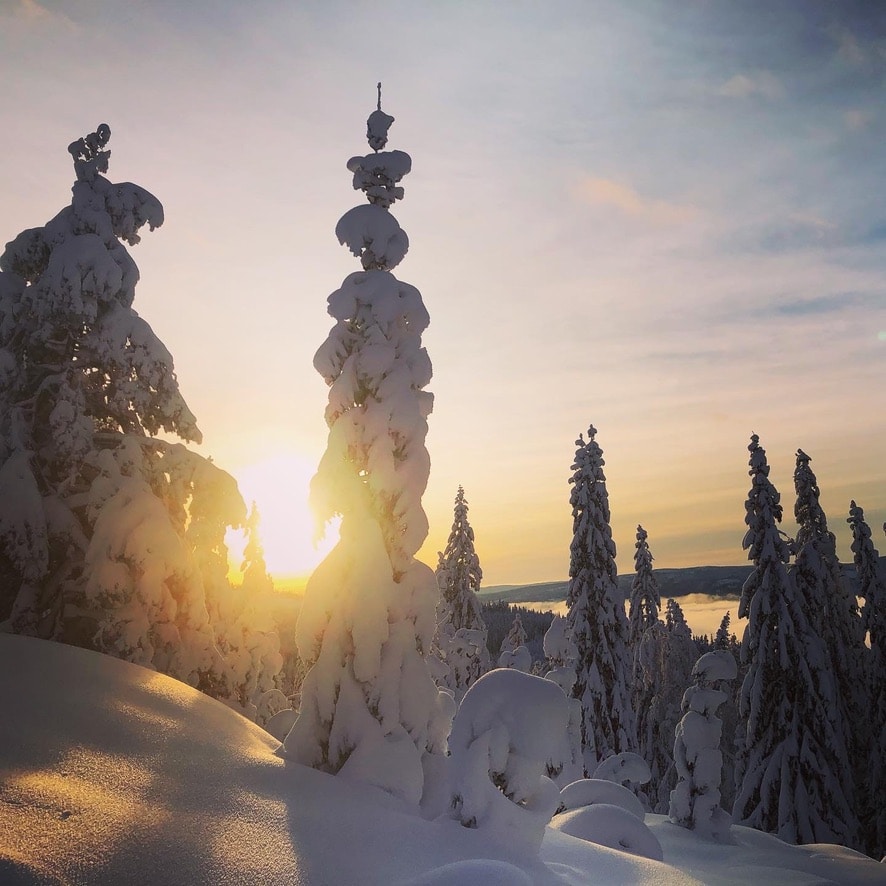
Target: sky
[665, 219]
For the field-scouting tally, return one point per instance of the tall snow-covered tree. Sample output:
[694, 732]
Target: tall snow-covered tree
[369, 706]
[819, 580]
[460, 640]
[98, 540]
[791, 767]
[645, 596]
[644, 640]
[596, 614]
[872, 589]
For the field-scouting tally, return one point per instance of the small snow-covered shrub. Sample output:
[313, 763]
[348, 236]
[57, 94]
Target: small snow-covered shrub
[508, 726]
[560, 652]
[697, 756]
[624, 767]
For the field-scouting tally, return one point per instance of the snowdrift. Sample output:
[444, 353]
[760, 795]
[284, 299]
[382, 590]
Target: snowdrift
[111, 774]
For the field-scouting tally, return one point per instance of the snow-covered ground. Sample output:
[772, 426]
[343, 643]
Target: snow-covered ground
[113, 774]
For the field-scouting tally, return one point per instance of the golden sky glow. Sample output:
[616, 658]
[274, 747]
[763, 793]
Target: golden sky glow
[279, 486]
[666, 224]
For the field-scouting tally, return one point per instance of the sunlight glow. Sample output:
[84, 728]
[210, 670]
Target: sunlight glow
[279, 486]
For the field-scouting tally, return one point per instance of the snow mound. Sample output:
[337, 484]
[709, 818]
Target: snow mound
[587, 791]
[610, 826]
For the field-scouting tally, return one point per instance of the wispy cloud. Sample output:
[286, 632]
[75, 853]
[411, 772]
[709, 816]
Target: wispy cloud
[803, 233]
[858, 119]
[828, 304]
[33, 13]
[849, 50]
[796, 232]
[30, 10]
[762, 83]
[624, 199]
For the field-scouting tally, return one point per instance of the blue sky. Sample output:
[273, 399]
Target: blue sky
[662, 218]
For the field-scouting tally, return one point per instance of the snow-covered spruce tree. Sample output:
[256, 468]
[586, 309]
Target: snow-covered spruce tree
[645, 601]
[645, 598]
[516, 636]
[94, 509]
[460, 640]
[695, 801]
[872, 589]
[791, 761]
[514, 653]
[369, 708]
[675, 620]
[819, 579]
[596, 614]
[723, 636]
[666, 656]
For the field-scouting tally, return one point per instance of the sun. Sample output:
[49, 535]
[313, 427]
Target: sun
[279, 487]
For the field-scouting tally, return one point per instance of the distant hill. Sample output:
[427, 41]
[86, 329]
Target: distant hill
[717, 581]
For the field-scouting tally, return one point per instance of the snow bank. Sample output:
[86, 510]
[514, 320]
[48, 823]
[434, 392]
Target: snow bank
[111, 773]
[610, 826]
[587, 791]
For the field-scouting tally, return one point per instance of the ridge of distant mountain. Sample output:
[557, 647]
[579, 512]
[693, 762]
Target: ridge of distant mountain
[716, 581]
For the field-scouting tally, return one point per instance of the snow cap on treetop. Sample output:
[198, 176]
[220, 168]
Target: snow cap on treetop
[89, 155]
[377, 126]
[371, 232]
